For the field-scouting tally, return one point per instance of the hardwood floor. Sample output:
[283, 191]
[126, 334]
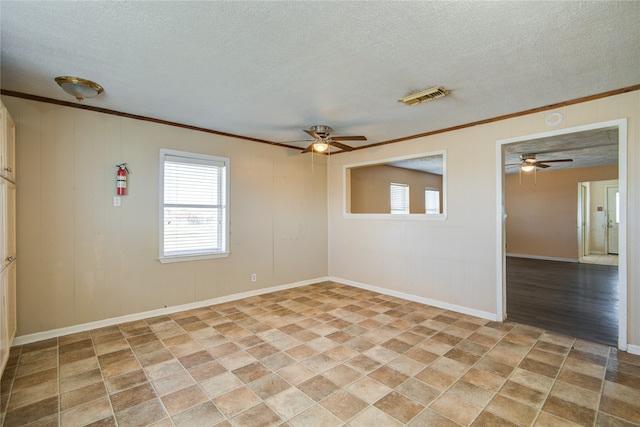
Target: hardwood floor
[580, 300]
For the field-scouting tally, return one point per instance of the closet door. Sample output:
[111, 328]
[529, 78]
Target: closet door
[8, 264]
[8, 149]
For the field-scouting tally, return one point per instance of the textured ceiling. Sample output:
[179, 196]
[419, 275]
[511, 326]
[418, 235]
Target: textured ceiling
[266, 70]
[585, 149]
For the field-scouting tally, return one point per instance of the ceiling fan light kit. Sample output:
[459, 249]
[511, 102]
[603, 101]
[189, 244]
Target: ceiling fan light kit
[80, 88]
[424, 96]
[323, 141]
[531, 163]
[320, 146]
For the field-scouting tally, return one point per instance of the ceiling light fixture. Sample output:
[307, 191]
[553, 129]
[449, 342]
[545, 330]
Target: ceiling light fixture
[80, 88]
[320, 146]
[528, 167]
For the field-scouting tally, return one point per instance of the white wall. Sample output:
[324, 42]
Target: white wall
[454, 261]
[82, 260]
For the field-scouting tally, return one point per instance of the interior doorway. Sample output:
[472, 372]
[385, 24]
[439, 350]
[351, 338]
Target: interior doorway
[546, 140]
[598, 222]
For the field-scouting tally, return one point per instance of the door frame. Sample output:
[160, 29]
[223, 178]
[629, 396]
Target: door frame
[584, 219]
[501, 291]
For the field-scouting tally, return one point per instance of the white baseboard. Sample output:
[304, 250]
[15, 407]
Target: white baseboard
[633, 349]
[415, 298]
[545, 258]
[53, 333]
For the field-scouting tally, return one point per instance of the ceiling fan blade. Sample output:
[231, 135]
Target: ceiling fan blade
[306, 150]
[542, 165]
[312, 133]
[297, 140]
[555, 161]
[349, 138]
[341, 146]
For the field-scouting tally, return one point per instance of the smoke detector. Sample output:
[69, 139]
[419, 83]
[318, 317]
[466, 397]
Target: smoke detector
[424, 96]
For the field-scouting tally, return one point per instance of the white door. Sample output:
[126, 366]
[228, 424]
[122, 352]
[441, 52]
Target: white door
[613, 219]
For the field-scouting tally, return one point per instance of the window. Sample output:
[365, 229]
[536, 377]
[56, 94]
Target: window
[194, 208]
[370, 186]
[431, 201]
[399, 198]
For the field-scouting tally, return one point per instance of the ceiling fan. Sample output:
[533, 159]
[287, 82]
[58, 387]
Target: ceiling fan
[322, 139]
[528, 162]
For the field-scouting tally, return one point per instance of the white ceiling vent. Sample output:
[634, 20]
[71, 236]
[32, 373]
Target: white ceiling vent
[424, 96]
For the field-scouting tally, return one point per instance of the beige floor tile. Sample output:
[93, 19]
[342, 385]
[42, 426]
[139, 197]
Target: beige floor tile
[436, 378]
[184, 399]
[35, 393]
[87, 413]
[429, 417]
[511, 410]
[373, 416]
[315, 416]
[471, 393]
[368, 389]
[237, 360]
[146, 413]
[344, 405]
[296, 373]
[399, 407]
[259, 415]
[546, 419]
[325, 354]
[290, 402]
[455, 408]
[484, 379]
[575, 394]
[79, 366]
[236, 401]
[318, 387]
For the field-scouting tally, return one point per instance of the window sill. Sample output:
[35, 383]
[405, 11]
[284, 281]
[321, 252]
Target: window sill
[184, 258]
[404, 217]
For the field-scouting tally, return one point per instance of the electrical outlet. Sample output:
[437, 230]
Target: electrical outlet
[117, 201]
[254, 277]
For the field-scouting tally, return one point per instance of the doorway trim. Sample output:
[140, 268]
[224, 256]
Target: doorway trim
[583, 219]
[501, 291]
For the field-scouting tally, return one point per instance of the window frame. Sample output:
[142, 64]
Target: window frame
[191, 157]
[406, 196]
[346, 190]
[426, 200]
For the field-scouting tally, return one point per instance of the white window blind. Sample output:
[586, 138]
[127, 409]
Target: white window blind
[194, 206]
[399, 198]
[432, 201]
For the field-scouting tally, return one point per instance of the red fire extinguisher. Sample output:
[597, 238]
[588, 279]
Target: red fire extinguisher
[121, 179]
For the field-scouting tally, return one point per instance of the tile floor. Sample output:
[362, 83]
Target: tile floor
[320, 355]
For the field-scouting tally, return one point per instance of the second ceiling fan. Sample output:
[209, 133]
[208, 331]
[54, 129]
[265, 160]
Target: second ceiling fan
[322, 139]
[529, 162]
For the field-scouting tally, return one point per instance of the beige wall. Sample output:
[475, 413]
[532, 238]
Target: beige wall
[542, 214]
[82, 260]
[455, 261]
[370, 188]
